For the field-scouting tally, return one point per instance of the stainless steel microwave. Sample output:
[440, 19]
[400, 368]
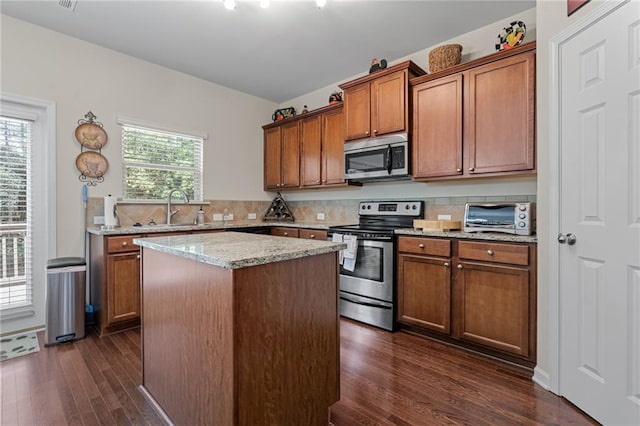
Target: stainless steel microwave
[383, 158]
[510, 218]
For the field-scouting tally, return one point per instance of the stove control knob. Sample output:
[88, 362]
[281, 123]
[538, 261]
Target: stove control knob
[406, 206]
[414, 207]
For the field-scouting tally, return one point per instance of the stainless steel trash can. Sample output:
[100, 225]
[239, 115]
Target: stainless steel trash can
[65, 294]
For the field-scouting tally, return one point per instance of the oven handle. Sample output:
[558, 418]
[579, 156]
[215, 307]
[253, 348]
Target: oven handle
[389, 162]
[359, 302]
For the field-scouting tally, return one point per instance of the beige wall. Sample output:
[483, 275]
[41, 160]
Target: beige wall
[552, 19]
[81, 76]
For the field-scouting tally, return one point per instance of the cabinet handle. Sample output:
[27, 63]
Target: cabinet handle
[459, 266]
[446, 264]
[138, 257]
[471, 169]
[124, 244]
[286, 234]
[490, 252]
[375, 131]
[312, 236]
[458, 170]
[421, 245]
[366, 133]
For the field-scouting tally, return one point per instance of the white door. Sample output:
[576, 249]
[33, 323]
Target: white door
[599, 263]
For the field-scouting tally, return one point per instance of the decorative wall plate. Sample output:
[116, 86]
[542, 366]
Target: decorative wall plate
[92, 164]
[511, 36]
[90, 135]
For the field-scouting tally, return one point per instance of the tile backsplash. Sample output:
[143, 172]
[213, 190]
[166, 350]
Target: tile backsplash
[335, 211]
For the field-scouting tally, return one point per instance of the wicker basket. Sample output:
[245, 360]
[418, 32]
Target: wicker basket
[444, 57]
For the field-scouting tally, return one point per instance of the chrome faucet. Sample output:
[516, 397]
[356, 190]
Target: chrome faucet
[170, 213]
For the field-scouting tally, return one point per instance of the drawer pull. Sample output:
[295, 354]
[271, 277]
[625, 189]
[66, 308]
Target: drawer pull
[286, 234]
[446, 264]
[421, 245]
[490, 252]
[138, 257]
[124, 244]
[460, 266]
[312, 236]
[471, 169]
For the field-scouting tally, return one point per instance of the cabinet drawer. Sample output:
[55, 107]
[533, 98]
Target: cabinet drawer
[122, 244]
[285, 232]
[515, 254]
[430, 246]
[313, 234]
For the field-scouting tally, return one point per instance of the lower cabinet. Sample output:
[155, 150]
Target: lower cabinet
[310, 234]
[481, 295]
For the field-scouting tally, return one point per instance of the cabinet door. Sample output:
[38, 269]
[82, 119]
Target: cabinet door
[424, 292]
[389, 104]
[437, 128]
[123, 287]
[311, 150]
[357, 112]
[285, 232]
[272, 165]
[290, 155]
[492, 306]
[501, 115]
[332, 148]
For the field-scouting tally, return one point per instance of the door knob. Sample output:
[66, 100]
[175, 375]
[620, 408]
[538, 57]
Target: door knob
[570, 239]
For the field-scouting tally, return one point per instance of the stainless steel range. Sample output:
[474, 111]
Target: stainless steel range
[367, 293]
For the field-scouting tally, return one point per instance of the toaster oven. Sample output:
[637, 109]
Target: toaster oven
[510, 218]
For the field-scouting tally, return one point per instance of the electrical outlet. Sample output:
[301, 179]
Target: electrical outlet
[98, 220]
[320, 216]
[217, 216]
[252, 216]
[228, 216]
[444, 217]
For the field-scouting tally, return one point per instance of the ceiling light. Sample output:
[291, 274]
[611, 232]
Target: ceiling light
[229, 4]
[264, 4]
[321, 3]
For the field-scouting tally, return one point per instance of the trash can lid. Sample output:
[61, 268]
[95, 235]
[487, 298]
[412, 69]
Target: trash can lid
[62, 262]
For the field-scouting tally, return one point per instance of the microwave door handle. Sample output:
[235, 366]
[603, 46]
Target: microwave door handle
[389, 162]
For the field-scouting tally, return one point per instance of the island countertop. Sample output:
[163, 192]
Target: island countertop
[233, 250]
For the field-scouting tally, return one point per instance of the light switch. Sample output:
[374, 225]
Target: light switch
[217, 216]
[98, 220]
[252, 216]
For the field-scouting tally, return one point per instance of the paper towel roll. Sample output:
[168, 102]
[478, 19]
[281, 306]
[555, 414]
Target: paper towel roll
[110, 216]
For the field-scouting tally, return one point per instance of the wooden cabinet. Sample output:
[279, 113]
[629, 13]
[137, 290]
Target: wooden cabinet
[115, 282]
[281, 231]
[311, 234]
[322, 148]
[478, 294]
[378, 104]
[476, 119]
[282, 156]
[424, 283]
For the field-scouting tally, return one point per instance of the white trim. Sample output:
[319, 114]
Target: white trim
[541, 377]
[555, 162]
[47, 152]
[125, 121]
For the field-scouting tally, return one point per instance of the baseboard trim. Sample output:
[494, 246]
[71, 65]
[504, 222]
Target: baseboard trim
[541, 378]
[158, 409]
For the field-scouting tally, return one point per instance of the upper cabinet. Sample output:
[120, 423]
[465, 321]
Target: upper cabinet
[476, 119]
[305, 151]
[282, 156]
[378, 103]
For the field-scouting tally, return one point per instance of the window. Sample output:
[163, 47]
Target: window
[15, 145]
[157, 161]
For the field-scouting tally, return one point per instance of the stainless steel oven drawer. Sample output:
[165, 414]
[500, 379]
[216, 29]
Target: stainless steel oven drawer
[370, 311]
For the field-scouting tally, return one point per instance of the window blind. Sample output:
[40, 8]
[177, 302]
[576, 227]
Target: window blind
[155, 162]
[15, 220]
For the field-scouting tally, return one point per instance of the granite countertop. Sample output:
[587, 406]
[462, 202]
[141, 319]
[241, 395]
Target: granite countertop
[488, 236]
[233, 250]
[151, 229]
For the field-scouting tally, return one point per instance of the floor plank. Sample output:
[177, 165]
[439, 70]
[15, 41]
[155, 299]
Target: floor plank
[386, 379]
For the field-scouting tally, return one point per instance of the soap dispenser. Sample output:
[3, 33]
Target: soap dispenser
[200, 219]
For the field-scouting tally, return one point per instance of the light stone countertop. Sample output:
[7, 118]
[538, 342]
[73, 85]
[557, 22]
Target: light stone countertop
[233, 250]
[150, 229]
[487, 236]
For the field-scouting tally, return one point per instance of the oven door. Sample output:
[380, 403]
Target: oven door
[373, 273]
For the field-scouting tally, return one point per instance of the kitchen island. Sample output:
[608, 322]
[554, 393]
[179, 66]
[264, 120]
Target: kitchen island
[240, 329]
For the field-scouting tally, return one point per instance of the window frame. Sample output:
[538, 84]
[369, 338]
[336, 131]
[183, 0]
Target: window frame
[200, 137]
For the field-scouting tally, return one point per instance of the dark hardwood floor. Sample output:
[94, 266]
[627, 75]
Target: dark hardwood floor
[386, 379]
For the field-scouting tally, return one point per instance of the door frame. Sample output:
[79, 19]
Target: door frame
[551, 379]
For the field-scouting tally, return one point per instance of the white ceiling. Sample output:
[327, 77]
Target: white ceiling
[279, 53]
